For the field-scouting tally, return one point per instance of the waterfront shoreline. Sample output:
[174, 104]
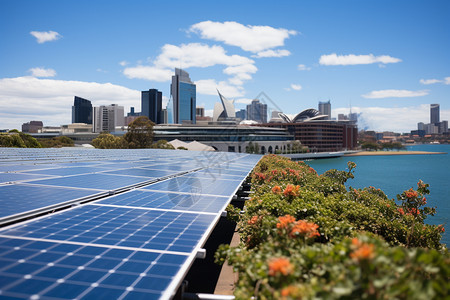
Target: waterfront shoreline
[381, 153]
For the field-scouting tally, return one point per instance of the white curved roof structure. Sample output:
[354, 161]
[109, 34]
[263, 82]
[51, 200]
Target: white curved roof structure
[225, 110]
[306, 115]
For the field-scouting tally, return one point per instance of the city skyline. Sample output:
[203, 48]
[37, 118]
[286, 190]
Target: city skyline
[386, 60]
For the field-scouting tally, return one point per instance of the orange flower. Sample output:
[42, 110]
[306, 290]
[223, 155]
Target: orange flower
[304, 228]
[253, 220]
[291, 190]
[285, 221]
[411, 193]
[280, 265]
[401, 211]
[311, 170]
[276, 189]
[290, 291]
[414, 211]
[361, 250]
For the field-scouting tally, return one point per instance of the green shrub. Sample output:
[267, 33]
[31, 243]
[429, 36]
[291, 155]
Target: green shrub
[333, 243]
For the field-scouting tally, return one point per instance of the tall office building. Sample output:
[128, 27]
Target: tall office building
[325, 109]
[434, 114]
[200, 111]
[257, 111]
[241, 114]
[81, 111]
[183, 92]
[151, 105]
[107, 118]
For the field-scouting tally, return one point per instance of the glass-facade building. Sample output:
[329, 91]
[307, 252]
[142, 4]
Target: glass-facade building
[325, 109]
[81, 111]
[183, 92]
[434, 114]
[151, 105]
[257, 111]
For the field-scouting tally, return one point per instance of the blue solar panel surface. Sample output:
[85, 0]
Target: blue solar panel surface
[137, 244]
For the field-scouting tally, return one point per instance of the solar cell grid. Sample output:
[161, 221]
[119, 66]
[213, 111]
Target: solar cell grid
[136, 244]
[168, 201]
[93, 181]
[20, 198]
[196, 185]
[47, 269]
[119, 226]
[66, 171]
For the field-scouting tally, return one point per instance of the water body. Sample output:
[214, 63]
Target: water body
[396, 173]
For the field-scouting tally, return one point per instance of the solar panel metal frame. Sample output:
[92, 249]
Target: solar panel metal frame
[176, 281]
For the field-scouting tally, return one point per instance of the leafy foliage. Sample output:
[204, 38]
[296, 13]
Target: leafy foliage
[163, 144]
[108, 141]
[307, 236]
[56, 142]
[140, 133]
[17, 139]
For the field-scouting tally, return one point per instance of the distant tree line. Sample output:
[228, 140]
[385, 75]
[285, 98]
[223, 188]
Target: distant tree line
[374, 146]
[16, 139]
[139, 136]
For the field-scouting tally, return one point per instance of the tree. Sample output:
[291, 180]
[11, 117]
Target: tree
[163, 144]
[56, 142]
[17, 139]
[370, 146]
[140, 133]
[252, 148]
[108, 141]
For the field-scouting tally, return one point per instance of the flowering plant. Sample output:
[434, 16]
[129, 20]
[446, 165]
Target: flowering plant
[304, 235]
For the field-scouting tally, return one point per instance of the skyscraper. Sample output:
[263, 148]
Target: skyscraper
[151, 105]
[257, 111]
[434, 114]
[325, 109]
[81, 111]
[183, 92]
[107, 118]
[241, 114]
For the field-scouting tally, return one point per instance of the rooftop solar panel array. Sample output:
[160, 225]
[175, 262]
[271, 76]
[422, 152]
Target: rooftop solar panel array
[149, 212]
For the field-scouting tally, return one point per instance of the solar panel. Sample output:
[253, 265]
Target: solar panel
[168, 200]
[93, 181]
[119, 226]
[41, 269]
[21, 198]
[136, 244]
[196, 185]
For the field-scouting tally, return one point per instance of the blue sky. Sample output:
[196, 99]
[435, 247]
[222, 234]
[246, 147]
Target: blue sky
[388, 60]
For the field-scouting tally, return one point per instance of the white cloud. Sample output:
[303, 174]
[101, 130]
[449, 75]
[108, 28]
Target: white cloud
[273, 53]
[51, 101]
[148, 73]
[45, 36]
[430, 81]
[243, 100]
[352, 59]
[446, 80]
[193, 55]
[41, 72]
[197, 55]
[249, 38]
[303, 68]
[165, 100]
[397, 119]
[209, 112]
[210, 86]
[394, 94]
[296, 87]
[123, 63]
